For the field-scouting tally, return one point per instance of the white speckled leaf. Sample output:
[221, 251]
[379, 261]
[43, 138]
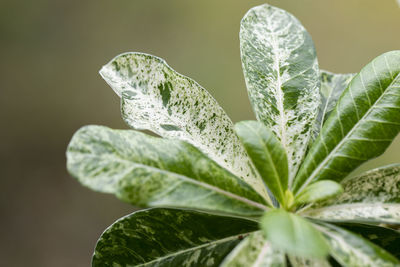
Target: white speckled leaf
[352, 250]
[170, 238]
[363, 124]
[372, 197]
[254, 251]
[149, 171]
[332, 87]
[156, 98]
[282, 77]
[303, 262]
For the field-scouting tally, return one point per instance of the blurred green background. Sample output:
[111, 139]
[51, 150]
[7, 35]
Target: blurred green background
[50, 52]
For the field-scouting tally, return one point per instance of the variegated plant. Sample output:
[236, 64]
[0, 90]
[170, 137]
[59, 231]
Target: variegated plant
[270, 192]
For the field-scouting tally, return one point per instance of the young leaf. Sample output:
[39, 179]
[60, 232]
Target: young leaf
[293, 234]
[303, 262]
[156, 98]
[352, 250]
[168, 237]
[361, 127]
[332, 87]
[267, 154]
[319, 191]
[153, 172]
[372, 197]
[254, 251]
[282, 77]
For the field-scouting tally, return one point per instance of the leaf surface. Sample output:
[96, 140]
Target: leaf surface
[267, 154]
[319, 191]
[168, 237]
[293, 234]
[255, 251]
[282, 77]
[373, 197]
[332, 87]
[352, 250]
[361, 127]
[157, 98]
[152, 172]
[303, 262]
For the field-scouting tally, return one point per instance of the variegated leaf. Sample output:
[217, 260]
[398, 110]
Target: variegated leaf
[363, 124]
[352, 250]
[292, 234]
[154, 172]
[267, 154]
[372, 197]
[303, 262]
[168, 237]
[156, 98]
[332, 87]
[281, 72]
[255, 251]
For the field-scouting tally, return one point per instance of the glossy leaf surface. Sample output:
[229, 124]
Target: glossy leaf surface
[281, 72]
[372, 197]
[267, 154]
[352, 250]
[319, 191]
[255, 251]
[363, 124]
[157, 98]
[151, 172]
[168, 237]
[293, 234]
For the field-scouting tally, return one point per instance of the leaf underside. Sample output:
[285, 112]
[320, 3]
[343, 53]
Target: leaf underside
[148, 171]
[168, 237]
[282, 77]
[156, 98]
[361, 127]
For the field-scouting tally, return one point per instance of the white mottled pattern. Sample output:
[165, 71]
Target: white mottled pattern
[156, 98]
[282, 77]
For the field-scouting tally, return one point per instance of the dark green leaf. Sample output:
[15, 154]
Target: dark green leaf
[363, 124]
[267, 154]
[293, 234]
[281, 71]
[168, 237]
[153, 172]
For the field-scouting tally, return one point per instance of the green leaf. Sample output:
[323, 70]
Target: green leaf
[156, 98]
[154, 172]
[372, 197]
[303, 262]
[386, 238]
[319, 191]
[352, 250]
[267, 154]
[293, 234]
[332, 87]
[168, 237]
[281, 72]
[361, 127]
[254, 251]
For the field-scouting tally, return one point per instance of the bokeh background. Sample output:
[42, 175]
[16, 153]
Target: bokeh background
[50, 52]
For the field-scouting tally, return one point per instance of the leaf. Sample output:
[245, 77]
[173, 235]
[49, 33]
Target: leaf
[372, 197]
[352, 250]
[282, 77]
[168, 237]
[254, 251]
[319, 191]
[293, 234]
[332, 86]
[303, 262]
[386, 238]
[267, 154]
[156, 98]
[362, 126]
[154, 172]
